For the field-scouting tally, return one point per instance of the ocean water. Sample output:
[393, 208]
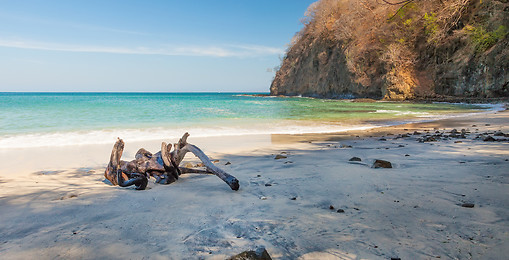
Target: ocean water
[59, 119]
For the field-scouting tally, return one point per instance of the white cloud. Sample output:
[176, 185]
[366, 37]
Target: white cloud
[204, 51]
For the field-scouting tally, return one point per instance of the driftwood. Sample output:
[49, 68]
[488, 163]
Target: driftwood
[163, 165]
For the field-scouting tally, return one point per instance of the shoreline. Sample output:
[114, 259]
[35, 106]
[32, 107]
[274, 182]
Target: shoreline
[411, 211]
[91, 137]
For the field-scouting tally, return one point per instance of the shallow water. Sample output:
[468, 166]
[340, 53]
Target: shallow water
[55, 119]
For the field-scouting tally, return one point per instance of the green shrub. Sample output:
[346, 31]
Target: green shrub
[483, 39]
[430, 25]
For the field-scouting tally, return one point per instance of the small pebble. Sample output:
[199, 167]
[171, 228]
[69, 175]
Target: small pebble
[355, 159]
[331, 207]
[341, 211]
[280, 156]
[294, 198]
[263, 198]
[468, 205]
[268, 184]
[227, 163]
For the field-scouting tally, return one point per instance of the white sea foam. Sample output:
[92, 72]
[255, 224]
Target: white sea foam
[134, 135]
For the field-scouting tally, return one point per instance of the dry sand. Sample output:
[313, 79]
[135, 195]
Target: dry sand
[54, 203]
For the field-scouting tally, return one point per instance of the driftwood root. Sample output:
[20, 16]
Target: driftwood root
[163, 165]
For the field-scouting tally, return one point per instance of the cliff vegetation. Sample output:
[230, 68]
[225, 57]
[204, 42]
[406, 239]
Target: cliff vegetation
[397, 50]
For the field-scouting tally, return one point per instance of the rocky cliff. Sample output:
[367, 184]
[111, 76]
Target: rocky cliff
[416, 49]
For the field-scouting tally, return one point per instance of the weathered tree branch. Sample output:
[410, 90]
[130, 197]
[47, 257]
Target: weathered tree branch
[163, 166]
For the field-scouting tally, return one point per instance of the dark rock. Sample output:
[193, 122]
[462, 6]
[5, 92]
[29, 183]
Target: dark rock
[331, 207]
[382, 139]
[416, 133]
[294, 198]
[499, 133]
[395, 258]
[401, 145]
[458, 142]
[407, 155]
[227, 163]
[355, 159]
[280, 156]
[382, 164]
[468, 205]
[489, 138]
[268, 184]
[258, 254]
[341, 211]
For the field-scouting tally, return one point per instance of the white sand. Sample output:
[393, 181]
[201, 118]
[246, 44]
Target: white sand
[54, 203]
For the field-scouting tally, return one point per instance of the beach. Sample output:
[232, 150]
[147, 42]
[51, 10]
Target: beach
[443, 199]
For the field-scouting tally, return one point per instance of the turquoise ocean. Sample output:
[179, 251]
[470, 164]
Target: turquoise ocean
[59, 119]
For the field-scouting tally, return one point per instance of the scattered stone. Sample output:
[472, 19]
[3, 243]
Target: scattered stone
[407, 155]
[416, 133]
[263, 198]
[428, 139]
[454, 131]
[280, 156]
[287, 162]
[268, 184]
[382, 139]
[341, 211]
[458, 142]
[355, 159]
[395, 258]
[401, 145]
[489, 138]
[258, 175]
[227, 163]
[468, 205]
[258, 254]
[215, 161]
[382, 164]
[499, 133]
[293, 198]
[356, 208]
[487, 124]
[345, 146]
[474, 125]
[331, 207]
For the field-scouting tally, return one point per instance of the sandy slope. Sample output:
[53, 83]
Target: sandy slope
[411, 211]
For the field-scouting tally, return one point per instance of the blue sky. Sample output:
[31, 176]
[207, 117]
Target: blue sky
[106, 45]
